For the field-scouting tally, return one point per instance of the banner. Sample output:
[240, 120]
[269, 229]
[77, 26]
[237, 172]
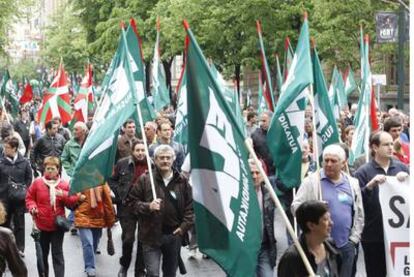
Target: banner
[395, 205]
[387, 27]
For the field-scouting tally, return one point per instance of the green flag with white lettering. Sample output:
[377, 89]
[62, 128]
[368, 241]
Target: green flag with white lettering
[326, 128]
[228, 219]
[96, 159]
[286, 130]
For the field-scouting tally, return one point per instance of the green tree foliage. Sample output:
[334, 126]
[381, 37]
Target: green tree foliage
[66, 39]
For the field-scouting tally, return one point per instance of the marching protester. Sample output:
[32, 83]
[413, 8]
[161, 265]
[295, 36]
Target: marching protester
[7, 131]
[259, 142]
[22, 126]
[46, 200]
[15, 178]
[343, 196]
[63, 131]
[370, 175]
[393, 126]
[164, 137]
[267, 254]
[50, 144]
[251, 123]
[163, 221]
[126, 174]
[126, 140]
[150, 130]
[70, 155]
[94, 213]
[315, 221]
[9, 254]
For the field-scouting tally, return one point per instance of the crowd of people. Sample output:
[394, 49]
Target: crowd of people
[336, 207]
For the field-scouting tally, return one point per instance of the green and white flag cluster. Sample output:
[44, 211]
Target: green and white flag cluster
[159, 91]
[326, 128]
[285, 135]
[360, 139]
[119, 102]
[228, 219]
[350, 84]
[336, 92]
[231, 97]
[181, 121]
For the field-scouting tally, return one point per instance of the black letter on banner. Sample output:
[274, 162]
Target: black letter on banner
[397, 212]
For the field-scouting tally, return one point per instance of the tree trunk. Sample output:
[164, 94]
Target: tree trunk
[237, 73]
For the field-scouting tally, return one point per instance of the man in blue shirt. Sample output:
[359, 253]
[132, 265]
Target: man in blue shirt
[370, 176]
[342, 194]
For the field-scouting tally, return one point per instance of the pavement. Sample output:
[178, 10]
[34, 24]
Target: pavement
[108, 266]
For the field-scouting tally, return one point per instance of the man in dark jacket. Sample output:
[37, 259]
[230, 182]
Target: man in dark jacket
[14, 169]
[167, 218]
[22, 126]
[267, 254]
[50, 144]
[315, 221]
[260, 144]
[370, 176]
[126, 174]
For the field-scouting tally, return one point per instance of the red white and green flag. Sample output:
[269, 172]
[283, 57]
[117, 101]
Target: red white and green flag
[56, 100]
[85, 99]
[228, 220]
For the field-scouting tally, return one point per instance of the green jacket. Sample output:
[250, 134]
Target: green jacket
[70, 155]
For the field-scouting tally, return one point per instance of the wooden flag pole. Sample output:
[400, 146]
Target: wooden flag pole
[279, 206]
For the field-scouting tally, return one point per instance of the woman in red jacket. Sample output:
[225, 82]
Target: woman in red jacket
[46, 199]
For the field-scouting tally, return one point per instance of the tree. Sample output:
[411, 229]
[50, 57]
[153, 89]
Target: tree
[65, 38]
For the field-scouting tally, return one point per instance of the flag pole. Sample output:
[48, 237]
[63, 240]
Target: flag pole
[315, 140]
[280, 208]
[144, 138]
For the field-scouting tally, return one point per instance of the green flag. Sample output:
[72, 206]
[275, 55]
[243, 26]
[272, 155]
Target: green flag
[231, 97]
[96, 159]
[360, 139]
[336, 92]
[350, 84]
[9, 94]
[326, 128]
[285, 134]
[261, 101]
[159, 91]
[279, 77]
[137, 64]
[228, 219]
[181, 122]
[288, 58]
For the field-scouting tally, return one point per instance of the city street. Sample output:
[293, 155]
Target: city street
[108, 266]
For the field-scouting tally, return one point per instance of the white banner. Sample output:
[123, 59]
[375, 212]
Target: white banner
[394, 197]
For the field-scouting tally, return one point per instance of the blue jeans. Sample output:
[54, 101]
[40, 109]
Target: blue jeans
[348, 254]
[170, 250]
[90, 239]
[263, 268]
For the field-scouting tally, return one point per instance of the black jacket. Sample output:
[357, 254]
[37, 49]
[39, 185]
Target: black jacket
[373, 229]
[291, 264]
[9, 255]
[152, 223]
[121, 183]
[23, 130]
[268, 223]
[261, 149]
[46, 146]
[19, 172]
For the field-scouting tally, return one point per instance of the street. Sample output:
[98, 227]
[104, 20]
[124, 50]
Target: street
[108, 266]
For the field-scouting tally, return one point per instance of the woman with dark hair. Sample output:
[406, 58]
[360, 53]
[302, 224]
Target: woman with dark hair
[46, 200]
[315, 221]
[15, 171]
[8, 251]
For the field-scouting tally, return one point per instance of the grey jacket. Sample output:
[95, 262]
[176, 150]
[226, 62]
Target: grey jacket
[309, 190]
